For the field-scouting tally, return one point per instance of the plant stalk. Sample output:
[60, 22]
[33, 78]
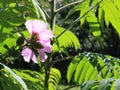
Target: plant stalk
[49, 59]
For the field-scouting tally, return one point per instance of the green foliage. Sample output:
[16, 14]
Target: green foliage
[14, 77]
[33, 80]
[90, 69]
[67, 39]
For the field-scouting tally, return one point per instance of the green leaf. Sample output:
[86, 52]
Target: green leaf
[26, 76]
[67, 39]
[94, 24]
[15, 76]
[79, 70]
[71, 68]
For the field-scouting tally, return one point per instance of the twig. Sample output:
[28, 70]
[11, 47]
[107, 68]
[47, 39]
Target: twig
[62, 59]
[71, 87]
[73, 3]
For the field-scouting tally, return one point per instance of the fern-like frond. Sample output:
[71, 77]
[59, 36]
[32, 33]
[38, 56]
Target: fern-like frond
[67, 39]
[54, 78]
[89, 68]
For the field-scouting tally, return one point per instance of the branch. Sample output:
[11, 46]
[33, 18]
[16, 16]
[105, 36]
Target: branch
[73, 3]
[63, 59]
[76, 21]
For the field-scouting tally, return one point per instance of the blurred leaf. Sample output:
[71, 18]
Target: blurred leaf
[39, 10]
[117, 84]
[105, 84]
[7, 83]
[15, 76]
[88, 85]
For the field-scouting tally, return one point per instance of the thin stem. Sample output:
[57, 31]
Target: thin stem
[53, 7]
[70, 4]
[71, 87]
[76, 21]
[47, 70]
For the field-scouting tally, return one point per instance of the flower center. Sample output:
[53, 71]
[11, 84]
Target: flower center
[35, 36]
[34, 42]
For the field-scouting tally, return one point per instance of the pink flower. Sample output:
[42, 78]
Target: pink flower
[39, 41]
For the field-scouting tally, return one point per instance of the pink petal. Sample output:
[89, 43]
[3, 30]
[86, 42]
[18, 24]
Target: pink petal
[35, 26]
[47, 47]
[46, 35]
[39, 26]
[26, 53]
[29, 25]
[34, 58]
[43, 55]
